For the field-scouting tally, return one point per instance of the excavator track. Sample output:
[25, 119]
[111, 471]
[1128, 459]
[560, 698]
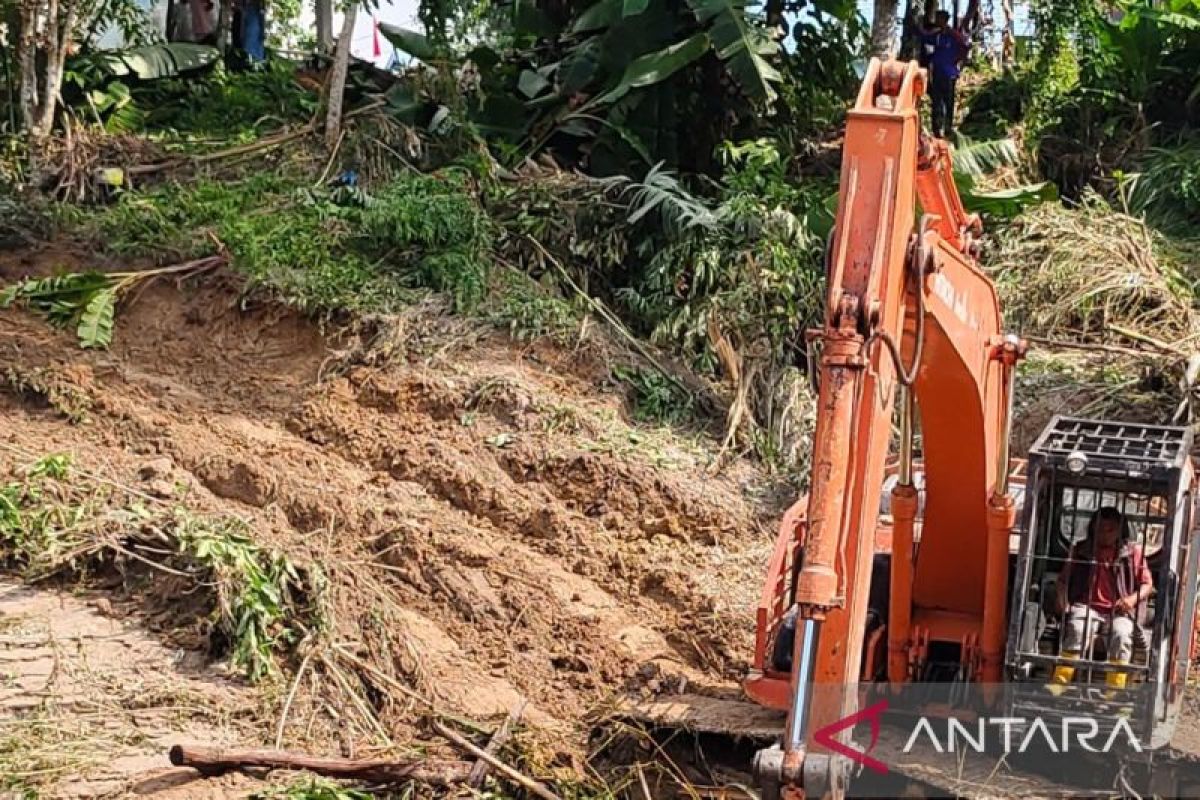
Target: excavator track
[1172, 771]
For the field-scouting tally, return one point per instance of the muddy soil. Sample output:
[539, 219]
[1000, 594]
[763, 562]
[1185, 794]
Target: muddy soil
[91, 700]
[539, 547]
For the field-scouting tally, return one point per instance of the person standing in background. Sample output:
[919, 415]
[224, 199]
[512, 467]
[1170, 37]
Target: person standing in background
[943, 50]
[251, 25]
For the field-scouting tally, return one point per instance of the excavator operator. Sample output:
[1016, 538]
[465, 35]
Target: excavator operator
[1101, 589]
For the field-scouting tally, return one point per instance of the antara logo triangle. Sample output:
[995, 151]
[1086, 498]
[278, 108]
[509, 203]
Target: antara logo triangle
[826, 736]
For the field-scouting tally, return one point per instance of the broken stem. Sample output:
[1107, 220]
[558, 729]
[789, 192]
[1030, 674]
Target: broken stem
[519, 778]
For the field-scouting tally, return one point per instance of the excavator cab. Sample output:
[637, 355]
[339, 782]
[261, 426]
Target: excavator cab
[1075, 469]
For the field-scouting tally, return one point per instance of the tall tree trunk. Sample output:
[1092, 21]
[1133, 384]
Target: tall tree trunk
[27, 64]
[224, 23]
[337, 80]
[49, 48]
[324, 14]
[1008, 42]
[908, 30]
[58, 43]
[883, 28]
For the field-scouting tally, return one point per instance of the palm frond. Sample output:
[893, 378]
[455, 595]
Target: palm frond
[661, 190]
[1167, 187]
[979, 159]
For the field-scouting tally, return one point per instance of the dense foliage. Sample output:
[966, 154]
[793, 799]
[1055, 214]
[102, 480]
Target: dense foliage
[666, 164]
[1109, 92]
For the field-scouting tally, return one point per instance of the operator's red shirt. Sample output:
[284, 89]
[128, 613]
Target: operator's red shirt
[1104, 588]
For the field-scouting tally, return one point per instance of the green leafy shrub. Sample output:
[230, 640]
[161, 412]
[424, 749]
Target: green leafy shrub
[752, 268]
[655, 398]
[258, 591]
[426, 211]
[530, 310]
[434, 227]
[312, 789]
[228, 105]
[1167, 186]
[293, 241]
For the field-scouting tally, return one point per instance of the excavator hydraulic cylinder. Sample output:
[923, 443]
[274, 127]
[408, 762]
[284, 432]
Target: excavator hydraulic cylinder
[842, 365]
[904, 515]
[1001, 515]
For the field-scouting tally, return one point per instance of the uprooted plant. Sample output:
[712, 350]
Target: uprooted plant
[88, 300]
[55, 521]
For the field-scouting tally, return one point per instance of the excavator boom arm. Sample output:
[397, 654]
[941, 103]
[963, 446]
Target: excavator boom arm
[909, 314]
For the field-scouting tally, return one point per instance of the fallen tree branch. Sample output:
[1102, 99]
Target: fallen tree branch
[265, 143]
[1150, 340]
[522, 780]
[1106, 348]
[211, 761]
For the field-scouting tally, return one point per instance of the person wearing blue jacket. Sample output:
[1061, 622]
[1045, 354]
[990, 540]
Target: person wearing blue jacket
[943, 50]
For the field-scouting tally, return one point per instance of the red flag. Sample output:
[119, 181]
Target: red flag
[375, 32]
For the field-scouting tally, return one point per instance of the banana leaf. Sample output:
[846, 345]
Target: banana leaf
[1009, 203]
[743, 47]
[156, 61]
[408, 41]
[656, 67]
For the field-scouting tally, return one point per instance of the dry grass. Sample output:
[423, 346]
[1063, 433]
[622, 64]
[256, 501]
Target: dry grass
[1110, 313]
[1079, 274]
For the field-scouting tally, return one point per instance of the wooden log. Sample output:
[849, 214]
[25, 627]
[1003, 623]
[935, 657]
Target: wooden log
[211, 761]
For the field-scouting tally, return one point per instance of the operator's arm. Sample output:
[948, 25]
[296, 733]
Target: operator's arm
[1145, 584]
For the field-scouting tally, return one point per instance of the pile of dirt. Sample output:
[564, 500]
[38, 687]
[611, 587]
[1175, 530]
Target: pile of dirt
[491, 527]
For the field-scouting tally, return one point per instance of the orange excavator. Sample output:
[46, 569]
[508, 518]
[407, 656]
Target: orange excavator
[898, 569]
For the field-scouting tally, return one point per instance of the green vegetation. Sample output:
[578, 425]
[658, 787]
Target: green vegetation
[228, 106]
[55, 522]
[86, 301]
[188, 110]
[747, 267]
[663, 172]
[659, 167]
[655, 398]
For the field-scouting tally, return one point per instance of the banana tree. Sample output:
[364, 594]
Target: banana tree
[616, 79]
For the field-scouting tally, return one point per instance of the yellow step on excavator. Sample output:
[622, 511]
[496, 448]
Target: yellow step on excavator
[963, 595]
